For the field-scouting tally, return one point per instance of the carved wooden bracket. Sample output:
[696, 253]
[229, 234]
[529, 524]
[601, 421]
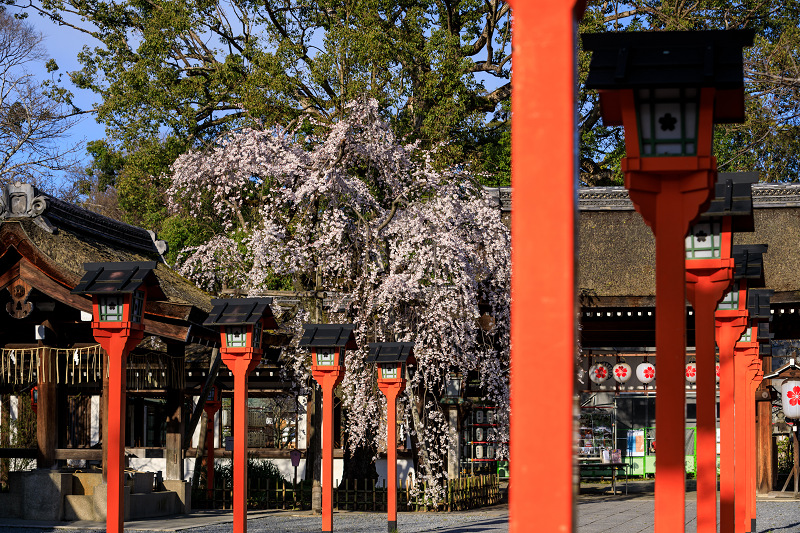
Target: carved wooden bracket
[19, 306]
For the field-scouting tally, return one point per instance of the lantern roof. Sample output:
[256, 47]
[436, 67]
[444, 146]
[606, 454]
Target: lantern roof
[782, 371]
[634, 60]
[117, 278]
[390, 352]
[241, 312]
[329, 336]
[748, 263]
[733, 197]
[758, 304]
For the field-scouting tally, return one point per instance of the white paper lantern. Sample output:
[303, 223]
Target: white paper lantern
[490, 452]
[479, 417]
[717, 372]
[646, 372]
[621, 372]
[479, 434]
[479, 452]
[600, 372]
[490, 417]
[691, 372]
[790, 398]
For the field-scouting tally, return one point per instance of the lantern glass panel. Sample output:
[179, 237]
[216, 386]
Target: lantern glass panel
[111, 308]
[747, 336]
[453, 389]
[257, 330]
[389, 371]
[704, 240]
[667, 121]
[326, 356]
[730, 302]
[137, 309]
[236, 336]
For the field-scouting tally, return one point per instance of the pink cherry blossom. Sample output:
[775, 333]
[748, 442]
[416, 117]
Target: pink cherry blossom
[406, 252]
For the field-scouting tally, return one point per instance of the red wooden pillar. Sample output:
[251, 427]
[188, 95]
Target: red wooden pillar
[705, 288]
[117, 343]
[744, 354]
[755, 374]
[669, 195]
[328, 379]
[544, 156]
[240, 365]
[391, 391]
[730, 326]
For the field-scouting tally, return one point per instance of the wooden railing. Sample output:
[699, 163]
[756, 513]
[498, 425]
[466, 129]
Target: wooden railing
[364, 495]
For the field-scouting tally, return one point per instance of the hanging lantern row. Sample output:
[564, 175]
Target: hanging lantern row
[645, 372]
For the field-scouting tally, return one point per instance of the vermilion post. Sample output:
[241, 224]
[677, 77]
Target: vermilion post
[707, 280]
[328, 379]
[744, 355]
[544, 155]
[240, 365]
[730, 326]
[117, 343]
[757, 374]
[391, 391]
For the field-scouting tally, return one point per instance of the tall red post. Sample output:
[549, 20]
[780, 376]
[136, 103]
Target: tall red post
[391, 390]
[744, 355]
[729, 328]
[240, 365]
[544, 155]
[117, 343]
[669, 195]
[327, 378]
[754, 374]
[706, 285]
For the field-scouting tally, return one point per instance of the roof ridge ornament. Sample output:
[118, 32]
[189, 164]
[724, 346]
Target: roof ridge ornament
[20, 200]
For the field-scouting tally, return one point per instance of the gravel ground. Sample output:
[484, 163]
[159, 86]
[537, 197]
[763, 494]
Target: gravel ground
[601, 515]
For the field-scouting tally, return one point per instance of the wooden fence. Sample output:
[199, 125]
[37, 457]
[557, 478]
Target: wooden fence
[364, 495]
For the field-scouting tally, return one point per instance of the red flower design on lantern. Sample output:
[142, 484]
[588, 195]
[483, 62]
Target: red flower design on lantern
[717, 370]
[621, 371]
[794, 396]
[691, 371]
[649, 372]
[601, 372]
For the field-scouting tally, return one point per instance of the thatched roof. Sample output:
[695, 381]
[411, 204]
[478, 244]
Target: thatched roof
[617, 249]
[58, 238]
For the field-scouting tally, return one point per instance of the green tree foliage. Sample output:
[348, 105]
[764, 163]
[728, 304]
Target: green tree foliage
[197, 68]
[768, 140]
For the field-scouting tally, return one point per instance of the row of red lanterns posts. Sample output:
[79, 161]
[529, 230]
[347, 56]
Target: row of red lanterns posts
[645, 372]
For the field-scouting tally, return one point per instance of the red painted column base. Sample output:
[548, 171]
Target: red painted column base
[117, 343]
[705, 288]
[240, 363]
[391, 389]
[327, 378]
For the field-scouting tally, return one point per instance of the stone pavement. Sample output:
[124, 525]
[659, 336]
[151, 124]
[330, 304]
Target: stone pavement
[598, 511]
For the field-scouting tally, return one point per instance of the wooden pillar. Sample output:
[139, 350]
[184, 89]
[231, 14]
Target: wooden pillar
[765, 460]
[175, 421]
[47, 424]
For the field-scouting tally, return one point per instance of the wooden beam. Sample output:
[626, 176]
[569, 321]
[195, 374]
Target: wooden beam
[80, 454]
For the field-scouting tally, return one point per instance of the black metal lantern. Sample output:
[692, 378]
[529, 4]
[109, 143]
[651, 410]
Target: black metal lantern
[241, 321]
[328, 343]
[391, 358]
[669, 87]
[118, 290]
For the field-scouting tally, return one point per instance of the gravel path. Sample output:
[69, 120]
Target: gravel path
[606, 515]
